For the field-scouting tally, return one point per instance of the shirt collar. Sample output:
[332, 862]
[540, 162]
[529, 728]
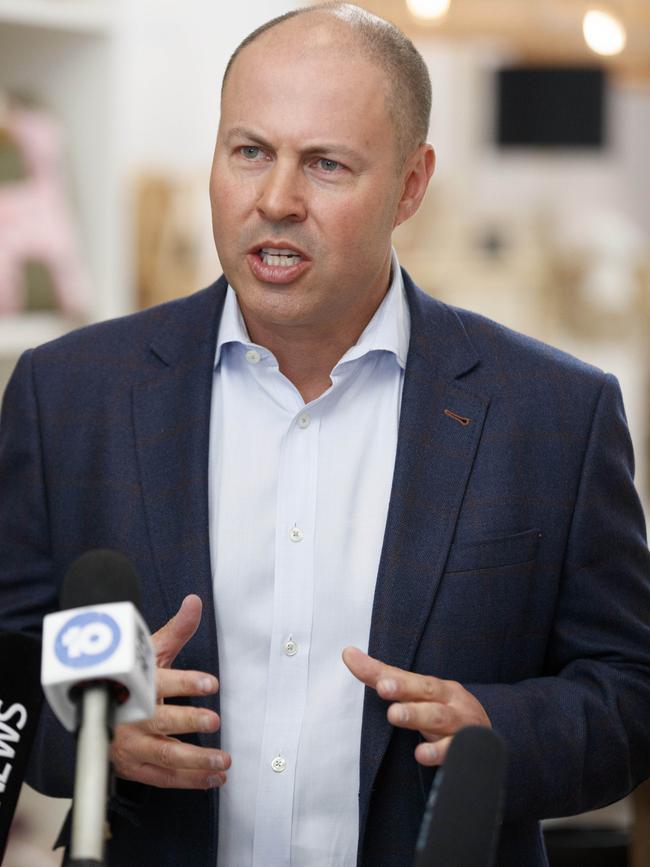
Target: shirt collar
[232, 328]
[388, 330]
[390, 327]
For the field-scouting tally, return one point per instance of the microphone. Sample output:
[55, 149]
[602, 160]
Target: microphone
[103, 638]
[97, 671]
[20, 705]
[463, 815]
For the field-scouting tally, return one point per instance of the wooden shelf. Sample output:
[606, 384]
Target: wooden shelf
[75, 16]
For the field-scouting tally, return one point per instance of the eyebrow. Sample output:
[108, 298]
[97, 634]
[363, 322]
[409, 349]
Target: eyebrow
[323, 148]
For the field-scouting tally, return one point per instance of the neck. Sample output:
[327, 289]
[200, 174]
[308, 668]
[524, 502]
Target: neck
[306, 358]
[307, 353]
[308, 346]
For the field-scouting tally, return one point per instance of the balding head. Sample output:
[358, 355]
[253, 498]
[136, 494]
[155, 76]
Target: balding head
[349, 30]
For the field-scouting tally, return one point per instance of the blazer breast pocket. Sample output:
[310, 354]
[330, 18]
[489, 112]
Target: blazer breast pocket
[474, 556]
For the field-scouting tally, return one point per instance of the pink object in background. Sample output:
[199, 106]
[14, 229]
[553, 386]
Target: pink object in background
[35, 221]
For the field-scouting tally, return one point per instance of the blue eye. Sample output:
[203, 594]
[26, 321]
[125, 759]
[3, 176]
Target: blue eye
[328, 165]
[250, 152]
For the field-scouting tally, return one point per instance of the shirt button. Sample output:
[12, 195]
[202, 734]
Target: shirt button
[279, 764]
[296, 534]
[253, 356]
[290, 647]
[304, 420]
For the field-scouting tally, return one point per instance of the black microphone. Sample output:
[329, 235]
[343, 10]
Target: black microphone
[98, 669]
[461, 822]
[20, 706]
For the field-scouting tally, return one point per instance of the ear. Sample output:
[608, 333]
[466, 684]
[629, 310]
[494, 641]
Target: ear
[419, 169]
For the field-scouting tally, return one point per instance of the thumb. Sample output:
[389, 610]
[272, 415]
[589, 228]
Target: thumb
[365, 668]
[170, 639]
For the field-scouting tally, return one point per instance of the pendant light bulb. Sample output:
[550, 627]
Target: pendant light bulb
[428, 10]
[603, 32]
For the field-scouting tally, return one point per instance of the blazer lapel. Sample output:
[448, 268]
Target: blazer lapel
[171, 418]
[440, 427]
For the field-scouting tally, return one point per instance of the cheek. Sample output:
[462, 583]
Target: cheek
[364, 225]
[221, 199]
[227, 221]
[226, 191]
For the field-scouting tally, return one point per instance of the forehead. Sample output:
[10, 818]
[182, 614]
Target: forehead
[309, 82]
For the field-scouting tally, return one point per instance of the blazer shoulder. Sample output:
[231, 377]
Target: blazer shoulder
[513, 354]
[130, 336]
[492, 358]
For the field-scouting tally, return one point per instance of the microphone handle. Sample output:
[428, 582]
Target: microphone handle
[91, 776]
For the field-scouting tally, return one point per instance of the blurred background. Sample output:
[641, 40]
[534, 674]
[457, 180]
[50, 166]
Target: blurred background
[538, 215]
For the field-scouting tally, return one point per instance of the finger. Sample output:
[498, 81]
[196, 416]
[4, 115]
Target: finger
[432, 754]
[365, 668]
[170, 753]
[170, 639]
[164, 752]
[173, 683]
[433, 719]
[409, 686]
[151, 775]
[396, 683]
[170, 719]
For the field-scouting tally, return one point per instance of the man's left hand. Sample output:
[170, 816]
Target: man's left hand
[434, 707]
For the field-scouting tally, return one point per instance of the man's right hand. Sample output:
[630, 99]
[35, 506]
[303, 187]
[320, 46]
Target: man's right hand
[146, 751]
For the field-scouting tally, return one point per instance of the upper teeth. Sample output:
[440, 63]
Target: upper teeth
[276, 256]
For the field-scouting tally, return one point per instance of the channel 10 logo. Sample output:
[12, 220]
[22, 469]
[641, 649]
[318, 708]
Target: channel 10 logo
[87, 639]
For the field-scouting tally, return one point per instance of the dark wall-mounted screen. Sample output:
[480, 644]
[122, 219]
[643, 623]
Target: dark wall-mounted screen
[551, 107]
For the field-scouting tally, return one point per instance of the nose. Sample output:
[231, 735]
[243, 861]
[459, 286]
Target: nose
[281, 195]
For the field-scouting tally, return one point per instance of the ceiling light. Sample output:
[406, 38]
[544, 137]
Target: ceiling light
[603, 32]
[428, 10]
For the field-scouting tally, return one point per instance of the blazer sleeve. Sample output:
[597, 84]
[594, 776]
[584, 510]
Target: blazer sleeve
[579, 736]
[28, 588]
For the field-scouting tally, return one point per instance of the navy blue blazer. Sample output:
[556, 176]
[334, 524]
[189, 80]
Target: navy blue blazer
[514, 557]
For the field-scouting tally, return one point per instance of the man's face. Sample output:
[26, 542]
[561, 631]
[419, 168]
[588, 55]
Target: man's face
[305, 185]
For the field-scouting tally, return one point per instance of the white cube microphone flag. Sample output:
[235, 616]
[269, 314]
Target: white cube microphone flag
[98, 642]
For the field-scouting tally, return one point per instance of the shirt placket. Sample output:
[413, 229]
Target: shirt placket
[290, 638]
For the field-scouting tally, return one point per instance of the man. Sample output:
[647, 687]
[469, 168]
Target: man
[328, 462]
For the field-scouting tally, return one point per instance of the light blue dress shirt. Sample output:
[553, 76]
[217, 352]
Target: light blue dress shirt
[298, 502]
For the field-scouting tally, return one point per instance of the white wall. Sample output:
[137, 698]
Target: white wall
[175, 52]
[616, 177]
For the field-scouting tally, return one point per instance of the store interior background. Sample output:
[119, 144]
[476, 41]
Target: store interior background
[121, 102]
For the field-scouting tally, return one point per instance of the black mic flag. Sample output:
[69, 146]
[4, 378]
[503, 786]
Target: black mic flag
[461, 822]
[20, 704]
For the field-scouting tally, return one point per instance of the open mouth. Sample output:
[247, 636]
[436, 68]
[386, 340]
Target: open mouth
[280, 265]
[283, 258]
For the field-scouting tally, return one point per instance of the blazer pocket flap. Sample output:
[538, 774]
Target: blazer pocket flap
[492, 553]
